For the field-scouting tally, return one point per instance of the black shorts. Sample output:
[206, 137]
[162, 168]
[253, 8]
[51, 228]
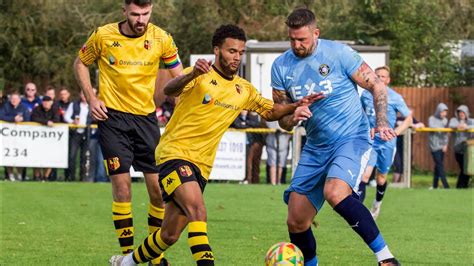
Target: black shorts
[128, 139]
[173, 173]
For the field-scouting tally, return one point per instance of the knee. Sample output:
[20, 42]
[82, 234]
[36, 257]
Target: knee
[169, 237]
[122, 193]
[296, 225]
[196, 212]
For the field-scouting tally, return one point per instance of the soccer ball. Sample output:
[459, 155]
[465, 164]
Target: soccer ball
[284, 253]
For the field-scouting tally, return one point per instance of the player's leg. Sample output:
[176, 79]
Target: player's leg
[115, 146]
[380, 193]
[156, 243]
[156, 207]
[122, 211]
[342, 177]
[304, 197]
[386, 154]
[301, 213]
[366, 174]
[145, 139]
[363, 183]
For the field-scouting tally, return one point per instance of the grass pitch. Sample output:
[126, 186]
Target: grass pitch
[70, 224]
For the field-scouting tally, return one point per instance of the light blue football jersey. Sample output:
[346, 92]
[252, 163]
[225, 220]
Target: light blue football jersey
[395, 103]
[328, 69]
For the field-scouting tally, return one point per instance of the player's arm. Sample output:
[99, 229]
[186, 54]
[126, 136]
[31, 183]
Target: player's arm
[365, 77]
[406, 123]
[175, 86]
[97, 107]
[284, 110]
[158, 95]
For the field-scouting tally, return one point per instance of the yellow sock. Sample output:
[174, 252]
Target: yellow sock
[123, 222]
[199, 243]
[155, 219]
[152, 247]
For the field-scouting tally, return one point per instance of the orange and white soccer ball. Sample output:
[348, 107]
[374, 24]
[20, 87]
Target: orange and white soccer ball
[284, 253]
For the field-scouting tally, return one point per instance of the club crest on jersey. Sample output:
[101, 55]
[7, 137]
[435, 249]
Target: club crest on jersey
[238, 89]
[185, 171]
[207, 99]
[324, 70]
[147, 44]
[112, 60]
[84, 48]
[113, 163]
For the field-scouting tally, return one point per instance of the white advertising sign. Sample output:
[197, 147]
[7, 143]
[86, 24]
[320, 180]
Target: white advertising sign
[230, 158]
[34, 146]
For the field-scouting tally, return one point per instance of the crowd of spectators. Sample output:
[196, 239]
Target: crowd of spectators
[47, 109]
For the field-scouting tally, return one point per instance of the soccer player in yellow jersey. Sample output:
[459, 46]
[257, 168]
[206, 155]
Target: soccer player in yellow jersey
[210, 98]
[128, 55]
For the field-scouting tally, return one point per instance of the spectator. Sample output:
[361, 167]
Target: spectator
[398, 160]
[77, 115]
[63, 102]
[50, 91]
[438, 142]
[31, 100]
[165, 110]
[255, 142]
[461, 121]
[278, 144]
[14, 111]
[45, 115]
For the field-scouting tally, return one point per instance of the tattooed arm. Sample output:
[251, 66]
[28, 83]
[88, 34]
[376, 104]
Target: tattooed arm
[367, 79]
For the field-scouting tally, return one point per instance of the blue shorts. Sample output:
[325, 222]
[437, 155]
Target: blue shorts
[382, 156]
[346, 161]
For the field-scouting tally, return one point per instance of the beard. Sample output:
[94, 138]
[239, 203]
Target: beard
[226, 68]
[304, 52]
[135, 29]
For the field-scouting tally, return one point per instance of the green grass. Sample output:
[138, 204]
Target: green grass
[70, 224]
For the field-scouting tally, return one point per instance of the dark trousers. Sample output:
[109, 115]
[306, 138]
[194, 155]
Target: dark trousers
[438, 157]
[463, 179]
[77, 143]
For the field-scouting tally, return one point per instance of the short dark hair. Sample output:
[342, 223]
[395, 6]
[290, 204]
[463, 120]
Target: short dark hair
[227, 31]
[139, 2]
[300, 17]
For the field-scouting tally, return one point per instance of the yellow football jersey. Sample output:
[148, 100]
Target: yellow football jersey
[128, 65]
[206, 108]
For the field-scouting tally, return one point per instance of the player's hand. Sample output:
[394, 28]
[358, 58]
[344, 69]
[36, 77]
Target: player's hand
[302, 113]
[98, 109]
[308, 100]
[202, 66]
[386, 133]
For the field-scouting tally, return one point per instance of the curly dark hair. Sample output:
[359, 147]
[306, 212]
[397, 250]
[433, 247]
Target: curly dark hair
[300, 17]
[227, 31]
[139, 2]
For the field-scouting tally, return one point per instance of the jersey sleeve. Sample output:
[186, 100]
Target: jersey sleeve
[170, 55]
[257, 103]
[350, 60]
[277, 77]
[402, 107]
[90, 51]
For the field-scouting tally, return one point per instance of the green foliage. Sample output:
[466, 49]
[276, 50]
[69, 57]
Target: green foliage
[70, 224]
[40, 38]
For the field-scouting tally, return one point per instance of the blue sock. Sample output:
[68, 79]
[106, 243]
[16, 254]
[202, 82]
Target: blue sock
[306, 242]
[312, 262]
[380, 191]
[359, 218]
[361, 191]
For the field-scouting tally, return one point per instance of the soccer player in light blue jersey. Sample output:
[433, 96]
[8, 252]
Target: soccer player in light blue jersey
[338, 142]
[383, 152]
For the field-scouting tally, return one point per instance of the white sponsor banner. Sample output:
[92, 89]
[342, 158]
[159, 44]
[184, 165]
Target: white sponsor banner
[230, 158]
[34, 146]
